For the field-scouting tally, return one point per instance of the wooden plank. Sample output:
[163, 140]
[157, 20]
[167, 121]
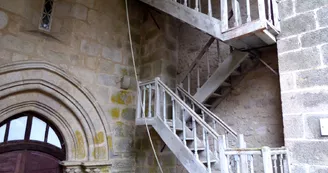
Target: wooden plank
[243, 30]
[182, 152]
[199, 20]
[266, 36]
[220, 75]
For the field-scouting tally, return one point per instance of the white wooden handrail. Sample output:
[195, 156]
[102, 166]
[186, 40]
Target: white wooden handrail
[207, 112]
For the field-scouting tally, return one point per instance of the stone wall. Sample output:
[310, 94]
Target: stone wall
[302, 52]
[88, 41]
[253, 106]
[158, 57]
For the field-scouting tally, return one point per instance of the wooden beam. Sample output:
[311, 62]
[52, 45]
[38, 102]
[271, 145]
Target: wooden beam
[199, 20]
[220, 75]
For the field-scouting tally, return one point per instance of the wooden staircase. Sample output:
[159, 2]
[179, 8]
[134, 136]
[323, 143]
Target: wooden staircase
[192, 132]
[247, 29]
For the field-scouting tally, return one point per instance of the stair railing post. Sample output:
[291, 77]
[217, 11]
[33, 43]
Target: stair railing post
[261, 7]
[248, 8]
[223, 158]
[210, 8]
[267, 162]
[243, 158]
[194, 130]
[157, 97]
[164, 107]
[207, 148]
[197, 5]
[173, 116]
[139, 104]
[224, 15]
[184, 126]
[144, 102]
[149, 100]
[269, 11]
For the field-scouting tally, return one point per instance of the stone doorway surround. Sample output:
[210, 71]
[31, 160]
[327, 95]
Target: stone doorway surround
[48, 90]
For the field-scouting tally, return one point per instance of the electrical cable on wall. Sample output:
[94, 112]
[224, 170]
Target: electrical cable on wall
[138, 89]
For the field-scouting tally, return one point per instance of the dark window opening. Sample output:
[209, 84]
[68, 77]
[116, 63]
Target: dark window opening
[46, 17]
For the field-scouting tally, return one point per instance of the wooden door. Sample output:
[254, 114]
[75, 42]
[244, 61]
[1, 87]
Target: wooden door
[28, 162]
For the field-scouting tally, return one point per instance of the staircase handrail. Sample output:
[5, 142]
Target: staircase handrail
[192, 113]
[208, 112]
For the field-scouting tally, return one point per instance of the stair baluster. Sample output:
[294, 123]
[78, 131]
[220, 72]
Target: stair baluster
[173, 116]
[164, 107]
[248, 11]
[149, 101]
[184, 126]
[210, 13]
[197, 5]
[144, 102]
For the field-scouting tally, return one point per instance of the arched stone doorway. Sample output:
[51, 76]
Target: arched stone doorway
[30, 144]
[61, 99]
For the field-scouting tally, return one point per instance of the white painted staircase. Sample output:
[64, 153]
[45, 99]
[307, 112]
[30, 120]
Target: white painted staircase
[199, 139]
[255, 23]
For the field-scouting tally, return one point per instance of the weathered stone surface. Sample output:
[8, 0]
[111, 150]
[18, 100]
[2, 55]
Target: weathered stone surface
[322, 16]
[79, 11]
[299, 169]
[286, 8]
[112, 54]
[324, 53]
[15, 6]
[297, 24]
[287, 81]
[293, 126]
[123, 145]
[3, 19]
[315, 38]
[88, 3]
[108, 80]
[128, 114]
[90, 48]
[106, 66]
[312, 126]
[305, 5]
[288, 44]
[312, 78]
[303, 102]
[318, 169]
[300, 59]
[91, 62]
[308, 152]
[19, 57]
[14, 43]
[63, 9]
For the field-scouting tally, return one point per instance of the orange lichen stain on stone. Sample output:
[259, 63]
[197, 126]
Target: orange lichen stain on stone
[99, 138]
[110, 142]
[115, 112]
[99, 153]
[80, 150]
[122, 97]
